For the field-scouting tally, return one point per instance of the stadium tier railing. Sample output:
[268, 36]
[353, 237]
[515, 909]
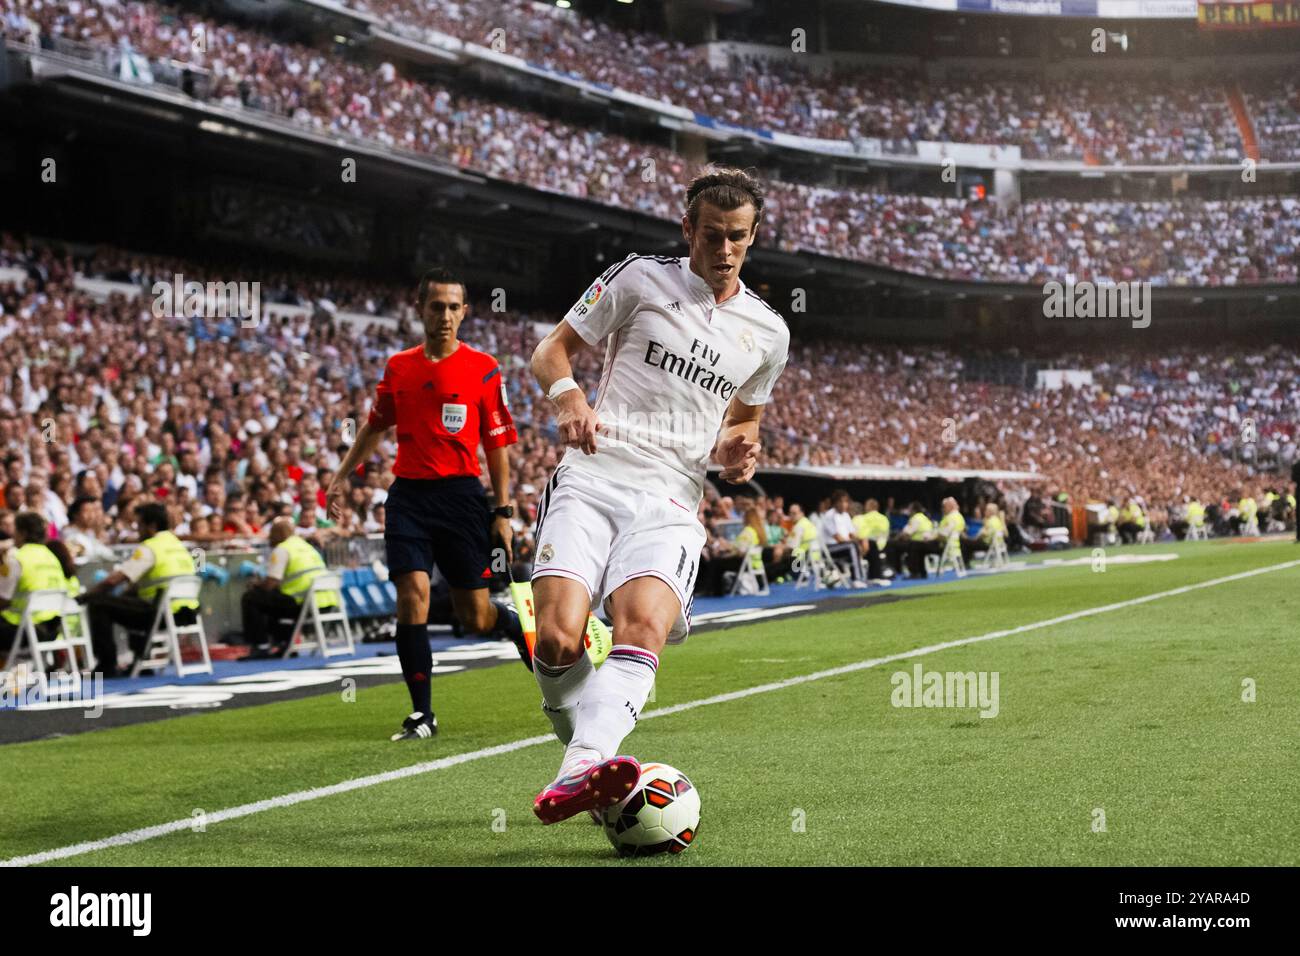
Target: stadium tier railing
[168, 77]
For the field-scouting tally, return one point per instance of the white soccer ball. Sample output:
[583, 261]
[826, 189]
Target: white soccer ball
[660, 815]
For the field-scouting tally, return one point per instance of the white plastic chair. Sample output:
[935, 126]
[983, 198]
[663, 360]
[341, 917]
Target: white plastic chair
[950, 558]
[751, 579]
[996, 556]
[27, 640]
[320, 618]
[165, 636]
[841, 549]
[814, 567]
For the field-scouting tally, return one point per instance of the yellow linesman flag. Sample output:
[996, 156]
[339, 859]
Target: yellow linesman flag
[599, 638]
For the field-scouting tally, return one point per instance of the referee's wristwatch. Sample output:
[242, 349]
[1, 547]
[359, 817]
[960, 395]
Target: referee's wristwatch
[505, 511]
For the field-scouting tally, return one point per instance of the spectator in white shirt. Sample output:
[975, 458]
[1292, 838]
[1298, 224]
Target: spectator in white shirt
[44, 501]
[83, 533]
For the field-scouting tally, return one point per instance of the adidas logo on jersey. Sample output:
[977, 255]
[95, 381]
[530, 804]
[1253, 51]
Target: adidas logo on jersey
[674, 307]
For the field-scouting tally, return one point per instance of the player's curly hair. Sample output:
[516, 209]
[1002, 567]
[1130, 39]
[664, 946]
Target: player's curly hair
[725, 187]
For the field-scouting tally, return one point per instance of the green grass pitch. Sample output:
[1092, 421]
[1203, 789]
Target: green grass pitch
[1134, 717]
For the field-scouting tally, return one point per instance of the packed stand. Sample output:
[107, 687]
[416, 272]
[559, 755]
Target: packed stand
[1144, 118]
[1185, 242]
[251, 424]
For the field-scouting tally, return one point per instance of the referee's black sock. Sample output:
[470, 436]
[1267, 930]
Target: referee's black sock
[417, 661]
[508, 622]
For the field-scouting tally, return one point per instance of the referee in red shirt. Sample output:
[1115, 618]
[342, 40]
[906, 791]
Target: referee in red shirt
[445, 398]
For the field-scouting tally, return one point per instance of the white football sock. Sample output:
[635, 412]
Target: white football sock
[561, 690]
[612, 701]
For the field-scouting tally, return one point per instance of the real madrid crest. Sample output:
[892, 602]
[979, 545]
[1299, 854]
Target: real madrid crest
[545, 554]
[747, 340]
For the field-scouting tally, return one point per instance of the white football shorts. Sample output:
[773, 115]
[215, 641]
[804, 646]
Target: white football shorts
[603, 534]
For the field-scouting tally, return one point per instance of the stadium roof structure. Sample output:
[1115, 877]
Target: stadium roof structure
[892, 473]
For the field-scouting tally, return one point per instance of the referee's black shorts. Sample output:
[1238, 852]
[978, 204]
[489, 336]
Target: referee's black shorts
[445, 521]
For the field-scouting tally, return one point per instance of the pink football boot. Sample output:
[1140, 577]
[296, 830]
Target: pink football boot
[591, 786]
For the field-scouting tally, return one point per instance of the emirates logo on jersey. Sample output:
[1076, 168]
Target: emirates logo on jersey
[694, 367]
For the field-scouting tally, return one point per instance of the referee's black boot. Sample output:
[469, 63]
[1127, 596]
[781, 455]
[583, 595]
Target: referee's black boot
[417, 727]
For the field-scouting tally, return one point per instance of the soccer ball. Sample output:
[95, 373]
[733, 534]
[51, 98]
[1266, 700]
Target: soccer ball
[660, 815]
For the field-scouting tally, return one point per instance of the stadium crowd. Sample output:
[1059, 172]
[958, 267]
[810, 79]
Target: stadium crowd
[1184, 242]
[253, 421]
[1142, 118]
[1274, 104]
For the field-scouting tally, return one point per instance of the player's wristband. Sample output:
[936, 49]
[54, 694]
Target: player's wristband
[560, 387]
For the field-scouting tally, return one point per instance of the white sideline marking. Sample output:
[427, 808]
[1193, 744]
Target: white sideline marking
[302, 796]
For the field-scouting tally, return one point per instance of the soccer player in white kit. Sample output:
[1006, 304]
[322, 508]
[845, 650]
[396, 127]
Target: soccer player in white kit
[691, 356]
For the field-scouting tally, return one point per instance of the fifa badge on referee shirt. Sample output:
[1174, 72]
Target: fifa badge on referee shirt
[453, 417]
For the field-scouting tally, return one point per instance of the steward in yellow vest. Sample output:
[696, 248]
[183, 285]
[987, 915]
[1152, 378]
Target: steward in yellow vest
[25, 569]
[279, 595]
[1131, 521]
[919, 526]
[160, 557]
[304, 564]
[992, 527]
[872, 529]
[171, 559]
[803, 534]
[748, 540]
[872, 526]
[951, 525]
[911, 543]
[31, 567]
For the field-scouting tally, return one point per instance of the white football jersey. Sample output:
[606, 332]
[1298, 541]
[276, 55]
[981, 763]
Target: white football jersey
[674, 359]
